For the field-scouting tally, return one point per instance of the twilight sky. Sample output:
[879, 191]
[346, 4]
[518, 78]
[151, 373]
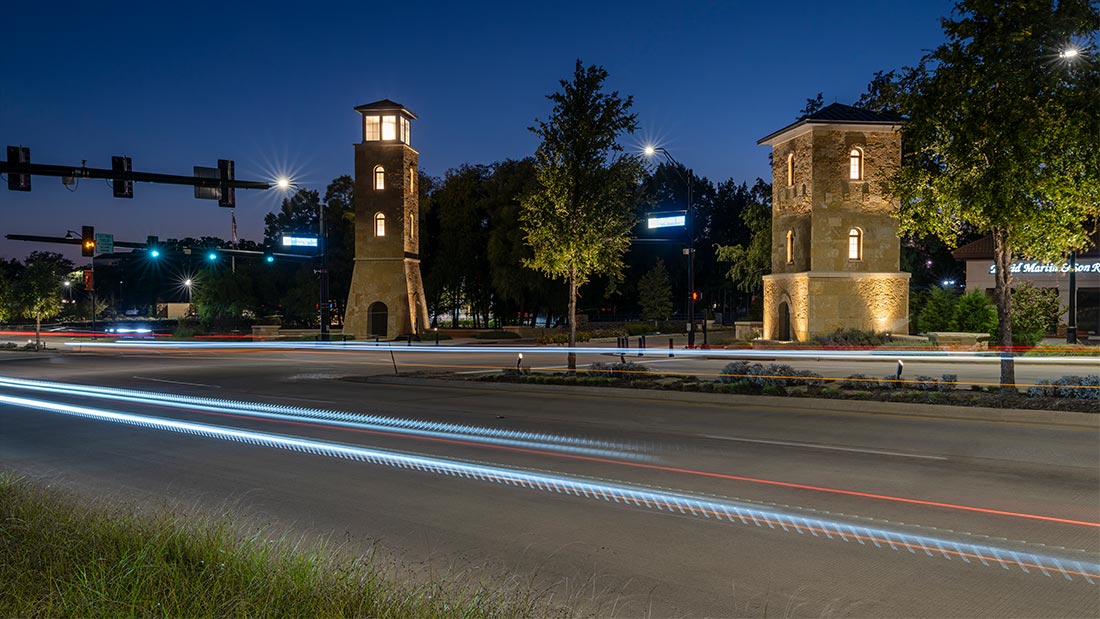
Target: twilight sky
[272, 85]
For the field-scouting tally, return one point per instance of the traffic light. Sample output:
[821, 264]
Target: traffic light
[123, 188]
[152, 245]
[212, 256]
[694, 296]
[17, 155]
[227, 197]
[269, 258]
[87, 241]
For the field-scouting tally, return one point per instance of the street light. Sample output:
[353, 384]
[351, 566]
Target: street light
[69, 288]
[649, 151]
[286, 184]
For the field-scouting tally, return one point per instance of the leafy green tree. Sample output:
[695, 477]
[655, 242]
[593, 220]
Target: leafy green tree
[938, 311]
[1001, 136]
[975, 313]
[339, 203]
[579, 220]
[1035, 313]
[655, 293]
[749, 263]
[38, 289]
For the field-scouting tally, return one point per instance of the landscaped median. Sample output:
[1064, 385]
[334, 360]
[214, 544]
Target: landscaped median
[60, 558]
[1069, 393]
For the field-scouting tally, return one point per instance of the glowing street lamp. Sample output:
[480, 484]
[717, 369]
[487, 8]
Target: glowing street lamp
[282, 183]
[649, 151]
[1069, 53]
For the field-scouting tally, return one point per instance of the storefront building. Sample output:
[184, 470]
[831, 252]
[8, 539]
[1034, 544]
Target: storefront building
[980, 272]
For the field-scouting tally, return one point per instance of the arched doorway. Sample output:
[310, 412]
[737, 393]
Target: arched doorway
[377, 319]
[784, 334]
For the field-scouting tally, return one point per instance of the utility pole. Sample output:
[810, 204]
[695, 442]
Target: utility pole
[323, 272]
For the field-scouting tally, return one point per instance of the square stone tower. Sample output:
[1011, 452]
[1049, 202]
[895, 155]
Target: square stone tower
[835, 244]
[386, 299]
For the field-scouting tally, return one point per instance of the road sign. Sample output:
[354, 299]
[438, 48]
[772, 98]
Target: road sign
[104, 243]
[299, 241]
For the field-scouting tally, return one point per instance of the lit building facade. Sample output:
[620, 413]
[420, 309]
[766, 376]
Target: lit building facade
[386, 299]
[835, 244]
[980, 273]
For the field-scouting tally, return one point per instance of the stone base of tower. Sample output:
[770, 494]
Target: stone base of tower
[799, 306]
[386, 299]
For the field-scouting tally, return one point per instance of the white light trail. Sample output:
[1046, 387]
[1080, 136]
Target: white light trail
[631, 496]
[377, 423]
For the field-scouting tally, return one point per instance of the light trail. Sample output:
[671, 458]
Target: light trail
[852, 355]
[603, 452]
[340, 419]
[636, 496]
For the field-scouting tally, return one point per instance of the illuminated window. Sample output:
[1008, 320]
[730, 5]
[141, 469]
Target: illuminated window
[389, 127]
[406, 130]
[412, 179]
[790, 246]
[379, 177]
[855, 165]
[372, 131]
[379, 224]
[855, 244]
[790, 170]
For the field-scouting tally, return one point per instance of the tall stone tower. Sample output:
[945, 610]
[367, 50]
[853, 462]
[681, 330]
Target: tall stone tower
[835, 245]
[386, 298]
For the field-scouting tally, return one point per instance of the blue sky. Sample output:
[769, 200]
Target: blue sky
[272, 86]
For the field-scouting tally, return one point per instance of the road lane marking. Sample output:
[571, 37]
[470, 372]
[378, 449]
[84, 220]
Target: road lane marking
[177, 382]
[817, 446]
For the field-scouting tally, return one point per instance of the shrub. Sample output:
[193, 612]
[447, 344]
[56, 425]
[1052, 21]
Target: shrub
[860, 382]
[616, 370]
[1034, 313]
[640, 328]
[950, 382]
[938, 311]
[975, 313]
[774, 375]
[851, 337]
[495, 335]
[923, 383]
[563, 338]
[1076, 387]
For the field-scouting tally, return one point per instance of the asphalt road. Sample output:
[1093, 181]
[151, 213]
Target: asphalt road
[625, 505]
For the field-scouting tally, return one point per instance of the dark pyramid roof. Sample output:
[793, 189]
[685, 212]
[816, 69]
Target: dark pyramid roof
[384, 105]
[837, 113]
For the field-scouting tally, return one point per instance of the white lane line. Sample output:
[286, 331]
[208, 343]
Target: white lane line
[815, 446]
[177, 382]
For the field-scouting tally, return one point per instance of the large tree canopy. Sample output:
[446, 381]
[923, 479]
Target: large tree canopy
[1001, 135]
[578, 221]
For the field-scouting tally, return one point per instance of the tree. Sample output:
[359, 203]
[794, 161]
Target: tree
[1000, 137]
[749, 263]
[39, 287]
[579, 219]
[655, 293]
[812, 105]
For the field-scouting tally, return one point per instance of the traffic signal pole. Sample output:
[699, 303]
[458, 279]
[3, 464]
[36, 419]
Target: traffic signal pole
[42, 169]
[323, 272]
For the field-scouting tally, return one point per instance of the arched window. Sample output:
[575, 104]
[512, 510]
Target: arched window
[412, 179]
[790, 170]
[855, 164]
[379, 224]
[790, 246]
[855, 244]
[379, 177]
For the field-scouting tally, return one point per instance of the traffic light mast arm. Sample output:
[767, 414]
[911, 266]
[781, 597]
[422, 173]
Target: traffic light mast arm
[43, 169]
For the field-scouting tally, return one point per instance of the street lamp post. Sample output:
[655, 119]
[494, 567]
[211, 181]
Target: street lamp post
[323, 272]
[690, 251]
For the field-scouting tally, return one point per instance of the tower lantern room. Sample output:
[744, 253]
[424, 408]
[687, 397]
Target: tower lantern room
[386, 121]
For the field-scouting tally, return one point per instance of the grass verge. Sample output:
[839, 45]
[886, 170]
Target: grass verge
[61, 559]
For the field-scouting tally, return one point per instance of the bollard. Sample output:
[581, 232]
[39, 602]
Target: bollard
[641, 345]
[901, 366]
[437, 336]
[670, 355]
[519, 362]
[410, 340]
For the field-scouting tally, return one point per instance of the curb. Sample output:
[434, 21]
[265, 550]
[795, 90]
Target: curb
[1072, 419]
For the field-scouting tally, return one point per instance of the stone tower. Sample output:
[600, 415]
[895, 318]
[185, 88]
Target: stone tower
[835, 245]
[386, 299]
